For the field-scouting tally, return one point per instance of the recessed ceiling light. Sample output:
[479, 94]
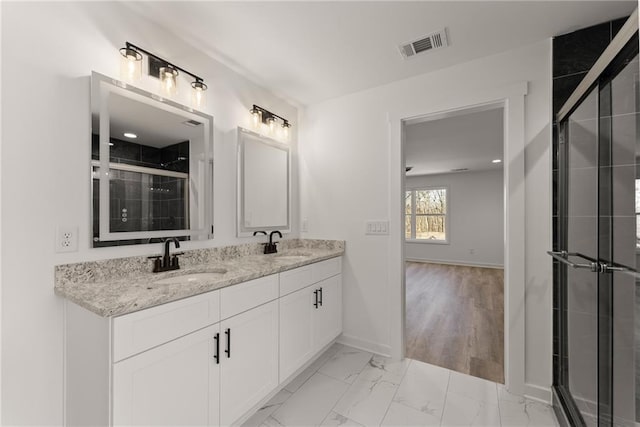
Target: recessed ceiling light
[496, 161]
[130, 135]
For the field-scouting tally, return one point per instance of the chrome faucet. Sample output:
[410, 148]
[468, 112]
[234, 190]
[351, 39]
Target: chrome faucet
[167, 262]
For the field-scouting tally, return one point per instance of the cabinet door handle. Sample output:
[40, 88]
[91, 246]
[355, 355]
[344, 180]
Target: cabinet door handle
[216, 356]
[315, 303]
[228, 350]
[320, 292]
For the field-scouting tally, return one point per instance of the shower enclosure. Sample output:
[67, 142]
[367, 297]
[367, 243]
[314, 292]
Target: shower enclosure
[596, 377]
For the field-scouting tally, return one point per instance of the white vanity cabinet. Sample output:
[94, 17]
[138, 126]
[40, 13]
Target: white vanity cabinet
[310, 312]
[248, 346]
[176, 383]
[205, 360]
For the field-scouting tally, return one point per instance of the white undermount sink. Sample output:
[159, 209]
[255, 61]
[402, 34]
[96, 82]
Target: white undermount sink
[192, 277]
[292, 256]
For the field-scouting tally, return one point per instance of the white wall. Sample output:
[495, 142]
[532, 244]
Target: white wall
[350, 137]
[476, 219]
[48, 52]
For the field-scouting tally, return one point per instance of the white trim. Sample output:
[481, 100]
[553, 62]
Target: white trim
[538, 393]
[360, 344]
[513, 101]
[449, 262]
[428, 241]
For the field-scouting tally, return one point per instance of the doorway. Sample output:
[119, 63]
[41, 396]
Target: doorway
[597, 375]
[454, 240]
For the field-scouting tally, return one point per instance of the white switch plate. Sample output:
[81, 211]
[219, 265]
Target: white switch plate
[305, 225]
[67, 239]
[377, 228]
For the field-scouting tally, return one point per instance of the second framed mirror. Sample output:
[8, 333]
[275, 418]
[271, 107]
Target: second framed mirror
[263, 185]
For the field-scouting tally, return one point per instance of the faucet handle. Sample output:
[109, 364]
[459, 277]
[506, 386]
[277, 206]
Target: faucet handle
[157, 263]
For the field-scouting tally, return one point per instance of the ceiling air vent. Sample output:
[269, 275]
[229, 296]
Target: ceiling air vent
[433, 41]
[192, 123]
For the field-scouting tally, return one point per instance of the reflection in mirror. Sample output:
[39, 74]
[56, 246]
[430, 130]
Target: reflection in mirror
[151, 163]
[263, 184]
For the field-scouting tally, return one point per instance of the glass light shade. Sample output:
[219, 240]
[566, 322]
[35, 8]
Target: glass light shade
[271, 125]
[130, 64]
[169, 80]
[256, 118]
[286, 131]
[198, 97]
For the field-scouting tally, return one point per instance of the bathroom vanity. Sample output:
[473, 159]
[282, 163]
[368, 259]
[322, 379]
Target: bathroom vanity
[204, 345]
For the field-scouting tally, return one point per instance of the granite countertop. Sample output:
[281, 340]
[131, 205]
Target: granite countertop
[121, 286]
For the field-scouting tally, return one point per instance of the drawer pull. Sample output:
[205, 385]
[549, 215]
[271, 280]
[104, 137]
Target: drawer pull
[217, 353]
[228, 350]
[320, 293]
[315, 303]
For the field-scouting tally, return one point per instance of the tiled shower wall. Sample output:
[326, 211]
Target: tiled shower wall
[165, 198]
[573, 55]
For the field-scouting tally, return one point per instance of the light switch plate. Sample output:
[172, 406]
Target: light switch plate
[377, 228]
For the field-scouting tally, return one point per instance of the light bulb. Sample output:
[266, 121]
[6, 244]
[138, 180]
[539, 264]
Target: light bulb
[286, 132]
[271, 123]
[130, 64]
[168, 80]
[255, 118]
[198, 98]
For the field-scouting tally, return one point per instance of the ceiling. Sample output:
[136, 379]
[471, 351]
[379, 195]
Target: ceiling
[468, 140]
[307, 52]
[153, 126]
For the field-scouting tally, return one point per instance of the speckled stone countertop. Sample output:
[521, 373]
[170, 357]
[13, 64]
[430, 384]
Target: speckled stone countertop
[119, 286]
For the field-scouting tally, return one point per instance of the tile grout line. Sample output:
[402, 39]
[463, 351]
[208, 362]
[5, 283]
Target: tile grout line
[397, 388]
[348, 387]
[498, 404]
[446, 393]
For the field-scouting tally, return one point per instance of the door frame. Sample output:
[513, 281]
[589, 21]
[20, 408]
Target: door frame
[512, 100]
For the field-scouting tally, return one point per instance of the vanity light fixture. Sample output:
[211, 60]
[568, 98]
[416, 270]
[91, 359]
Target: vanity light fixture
[496, 161]
[131, 70]
[130, 64]
[259, 116]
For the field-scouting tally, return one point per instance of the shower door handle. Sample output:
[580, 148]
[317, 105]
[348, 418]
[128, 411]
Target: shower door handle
[607, 268]
[563, 255]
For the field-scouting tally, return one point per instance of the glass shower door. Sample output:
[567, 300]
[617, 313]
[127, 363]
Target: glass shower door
[618, 249]
[597, 378]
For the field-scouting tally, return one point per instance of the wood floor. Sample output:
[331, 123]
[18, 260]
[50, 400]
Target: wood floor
[455, 318]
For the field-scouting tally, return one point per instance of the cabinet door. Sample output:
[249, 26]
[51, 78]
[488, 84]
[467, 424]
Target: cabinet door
[327, 321]
[296, 330]
[249, 371]
[176, 383]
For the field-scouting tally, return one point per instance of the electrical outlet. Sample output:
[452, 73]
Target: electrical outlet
[305, 225]
[472, 251]
[67, 239]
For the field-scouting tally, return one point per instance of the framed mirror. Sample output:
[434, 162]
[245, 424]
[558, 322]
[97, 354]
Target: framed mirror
[151, 167]
[264, 187]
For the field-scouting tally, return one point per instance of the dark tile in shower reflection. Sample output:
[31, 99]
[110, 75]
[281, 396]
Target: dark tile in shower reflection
[577, 52]
[150, 156]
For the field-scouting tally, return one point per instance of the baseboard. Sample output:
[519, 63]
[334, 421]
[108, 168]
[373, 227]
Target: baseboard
[360, 344]
[449, 262]
[539, 393]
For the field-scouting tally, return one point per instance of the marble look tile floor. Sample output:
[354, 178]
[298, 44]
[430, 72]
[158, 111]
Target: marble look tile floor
[350, 387]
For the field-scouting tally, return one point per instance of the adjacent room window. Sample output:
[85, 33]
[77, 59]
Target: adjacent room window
[426, 215]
